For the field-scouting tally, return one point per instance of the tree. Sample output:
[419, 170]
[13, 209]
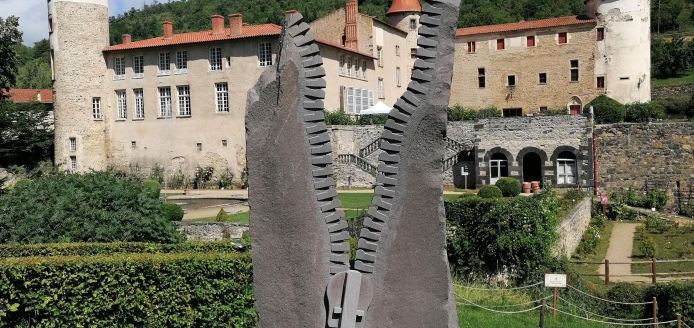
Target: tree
[26, 135]
[10, 36]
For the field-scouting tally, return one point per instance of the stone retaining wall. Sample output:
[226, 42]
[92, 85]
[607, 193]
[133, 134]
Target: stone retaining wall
[571, 230]
[677, 90]
[211, 231]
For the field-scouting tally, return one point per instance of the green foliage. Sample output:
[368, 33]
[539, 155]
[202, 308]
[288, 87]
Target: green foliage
[555, 112]
[152, 188]
[223, 216]
[607, 110]
[490, 192]
[486, 235]
[26, 135]
[89, 249]
[675, 106]
[338, 117]
[96, 207]
[459, 113]
[589, 242]
[644, 112]
[669, 57]
[509, 187]
[203, 175]
[210, 289]
[10, 37]
[655, 223]
[173, 212]
[649, 248]
[655, 198]
[489, 112]
[34, 66]
[225, 181]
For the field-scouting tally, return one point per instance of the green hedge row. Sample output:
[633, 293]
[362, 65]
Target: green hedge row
[208, 289]
[89, 249]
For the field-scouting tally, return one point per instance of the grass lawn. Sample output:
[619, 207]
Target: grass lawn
[469, 317]
[242, 217]
[672, 244]
[599, 256]
[680, 80]
[363, 200]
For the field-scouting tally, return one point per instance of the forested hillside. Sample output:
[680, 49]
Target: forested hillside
[34, 66]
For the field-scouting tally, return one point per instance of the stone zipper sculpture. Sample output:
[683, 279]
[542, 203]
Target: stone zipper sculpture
[301, 265]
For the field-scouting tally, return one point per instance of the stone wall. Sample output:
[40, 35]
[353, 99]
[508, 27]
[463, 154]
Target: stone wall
[571, 230]
[211, 231]
[677, 90]
[635, 154]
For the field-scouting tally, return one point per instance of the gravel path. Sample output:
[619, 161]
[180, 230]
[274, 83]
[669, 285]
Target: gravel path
[620, 250]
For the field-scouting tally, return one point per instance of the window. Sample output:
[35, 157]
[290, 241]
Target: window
[164, 64]
[601, 82]
[73, 163]
[624, 78]
[511, 80]
[349, 66]
[500, 44]
[358, 100]
[574, 71]
[397, 51]
[122, 105]
[222, 96]
[165, 102]
[215, 59]
[96, 108]
[138, 95]
[356, 68]
[229, 61]
[350, 101]
[543, 78]
[133, 144]
[498, 168]
[52, 65]
[365, 99]
[119, 68]
[342, 65]
[363, 69]
[264, 54]
[531, 41]
[73, 144]
[513, 112]
[563, 38]
[224, 143]
[138, 67]
[371, 98]
[413, 53]
[601, 34]
[413, 24]
[566, 168]
[481, 78]
[184, 101]
[379, 56]
[181, 62]
[543, 109]
[199, 146]
[471, 47]
[397, 76]
[50, 25]
[380, 89]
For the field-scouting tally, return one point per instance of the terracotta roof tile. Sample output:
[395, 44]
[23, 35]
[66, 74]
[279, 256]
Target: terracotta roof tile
[520, 26]
[198, 37]
[341, 47]
[404, 5]
[24, 95]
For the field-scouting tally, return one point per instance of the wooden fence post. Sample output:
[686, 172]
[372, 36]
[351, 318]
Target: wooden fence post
[655, 313]
[607, 273]
[554, 304]
[679, 321]
[655, 271]
[542, 314]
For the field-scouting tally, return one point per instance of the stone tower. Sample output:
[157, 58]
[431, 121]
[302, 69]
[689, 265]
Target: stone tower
[404, 14]
[623, 56]
[79, 33]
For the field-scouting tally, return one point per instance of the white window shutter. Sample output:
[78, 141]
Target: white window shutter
[350, 100]
[371, 98]
[365, 99]
[357, 100]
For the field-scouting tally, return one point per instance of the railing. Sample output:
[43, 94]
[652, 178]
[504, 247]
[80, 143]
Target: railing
[450, 162]
[653, 275]
[370, 148]
[456, 146]
[360, 162]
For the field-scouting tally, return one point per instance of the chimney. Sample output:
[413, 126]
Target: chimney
[127, 38]
[236, 24]
[351, 35]
[38, 95]
[217, 24]
[289, 13]
[168, 30]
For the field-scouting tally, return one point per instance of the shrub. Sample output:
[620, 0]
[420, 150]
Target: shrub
[338, 117]
[606, 109]
[589, 242]
[655, 198]
[644, 112]
[152, 187]
[223, 216]
[94, 207]
[555, 112]
[489, 191]
[658, 199]
[173, 212]
[89, 249]
[459, 113]
[509, 187]
[649, 248]
[655, 224]
[489, 112]
[210, 289]
[674, 105]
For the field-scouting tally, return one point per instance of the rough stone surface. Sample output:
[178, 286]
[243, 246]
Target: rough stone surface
[211, 231]
[411, 276]
[571, 230]
[676, 90]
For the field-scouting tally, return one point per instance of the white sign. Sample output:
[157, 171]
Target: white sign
[555, 280]
[464, 171]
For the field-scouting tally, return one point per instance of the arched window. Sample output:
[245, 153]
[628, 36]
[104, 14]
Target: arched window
[566, 168]
[498, 168]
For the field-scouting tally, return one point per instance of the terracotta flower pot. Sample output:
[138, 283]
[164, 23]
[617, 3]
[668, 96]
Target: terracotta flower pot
[536, 186]
[526, 187]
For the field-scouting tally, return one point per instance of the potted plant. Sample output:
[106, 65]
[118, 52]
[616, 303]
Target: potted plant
[186, 185]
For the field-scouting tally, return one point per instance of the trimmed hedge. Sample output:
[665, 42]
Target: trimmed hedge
[643, 112]
[173, 212]
[128, 290]
[152, 187]
[490, 192]
[509, 187]
[607, 110]
[90, 249]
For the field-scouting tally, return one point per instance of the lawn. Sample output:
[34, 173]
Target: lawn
[242, 217]
[363, 200]
[671, 244]
[469, 317]
[600, 252]
[673, 81]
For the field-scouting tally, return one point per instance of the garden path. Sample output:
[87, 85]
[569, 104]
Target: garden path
[620, 250]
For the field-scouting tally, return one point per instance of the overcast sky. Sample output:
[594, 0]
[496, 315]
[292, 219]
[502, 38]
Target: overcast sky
[33, 15]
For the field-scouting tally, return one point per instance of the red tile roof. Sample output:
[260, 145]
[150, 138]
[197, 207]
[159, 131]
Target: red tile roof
[341, 47]
[403, 6]
[198, 37]
[520, 26]
[24, 95]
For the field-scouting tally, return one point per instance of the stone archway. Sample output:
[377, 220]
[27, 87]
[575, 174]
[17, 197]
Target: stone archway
[575, 105]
